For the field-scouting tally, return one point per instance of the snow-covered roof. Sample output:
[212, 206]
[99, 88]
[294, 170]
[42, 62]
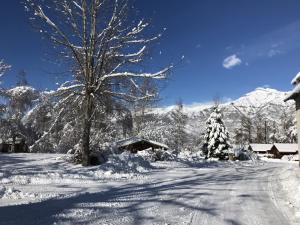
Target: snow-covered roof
[296, 79]
[294, 93]
[238, 146]
[133, 140]
[261, 147]
[286, 148]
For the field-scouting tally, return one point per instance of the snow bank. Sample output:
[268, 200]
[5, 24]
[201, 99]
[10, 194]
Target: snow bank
[12, 193]
[123, 165]
[54, 169]
[290, 180]
[157, 155]
[290, 157]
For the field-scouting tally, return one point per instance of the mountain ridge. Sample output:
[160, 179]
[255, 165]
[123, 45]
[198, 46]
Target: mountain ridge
[257, 98]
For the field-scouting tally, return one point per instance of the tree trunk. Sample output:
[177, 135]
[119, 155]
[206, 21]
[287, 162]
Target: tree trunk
[85, 148]
[13, 146]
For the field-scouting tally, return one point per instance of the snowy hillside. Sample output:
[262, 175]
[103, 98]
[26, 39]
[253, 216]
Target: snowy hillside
[259, 97]
[265, 101]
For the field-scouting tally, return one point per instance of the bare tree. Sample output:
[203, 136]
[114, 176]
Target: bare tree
[179, 121]
[103, 48]
[252, 122]
[140, 107]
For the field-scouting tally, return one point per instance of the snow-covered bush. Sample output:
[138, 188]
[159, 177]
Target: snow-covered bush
[126, 163]
[241, 154]
[290, 157]
[163, 155]
[147, 154]
[190, 156]
[156, 155]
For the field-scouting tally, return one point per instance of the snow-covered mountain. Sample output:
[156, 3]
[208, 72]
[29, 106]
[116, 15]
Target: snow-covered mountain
[267, 102]
[257, 98]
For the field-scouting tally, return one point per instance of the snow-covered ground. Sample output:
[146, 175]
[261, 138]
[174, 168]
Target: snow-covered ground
[45, 189]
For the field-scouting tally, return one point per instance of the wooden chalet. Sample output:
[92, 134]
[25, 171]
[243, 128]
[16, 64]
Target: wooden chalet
[280, 149]
[10, 146]
[260, 148]
[136, 144]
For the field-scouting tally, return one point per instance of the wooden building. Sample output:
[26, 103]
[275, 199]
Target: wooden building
[18, 146]
[136, 144]
[260, 148]
[280, 149]
[295, 95]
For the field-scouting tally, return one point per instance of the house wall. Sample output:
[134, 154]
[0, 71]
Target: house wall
[9, 148]
[4, 148]
[139, 146]
[298, 123]
[274, 151]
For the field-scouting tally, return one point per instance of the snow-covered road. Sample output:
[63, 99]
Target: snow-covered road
[173, 193]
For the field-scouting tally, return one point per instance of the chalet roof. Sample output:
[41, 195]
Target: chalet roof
[286, 148]
[260, 147]
[133, 140]
[237, 146]
[293, 94]
[296, 91]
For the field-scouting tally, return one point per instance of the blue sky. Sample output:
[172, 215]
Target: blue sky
[230, 47]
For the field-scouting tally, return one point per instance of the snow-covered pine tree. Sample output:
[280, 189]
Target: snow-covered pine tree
[216, 136]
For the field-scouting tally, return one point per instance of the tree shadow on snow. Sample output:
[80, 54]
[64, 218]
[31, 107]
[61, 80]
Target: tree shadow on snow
[134, 203]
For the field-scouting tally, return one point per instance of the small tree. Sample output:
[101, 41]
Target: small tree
[216, 136]
[178, 120]
[19, 100]
[140, 107]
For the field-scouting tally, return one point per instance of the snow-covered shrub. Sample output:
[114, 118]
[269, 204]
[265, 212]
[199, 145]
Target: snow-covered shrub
[290, 157]
[147, 154]
[163, 155]
[241, 154]
[156, 155]
[190, 156]
[126, 163]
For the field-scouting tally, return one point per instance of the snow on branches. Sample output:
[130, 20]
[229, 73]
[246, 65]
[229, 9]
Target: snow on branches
[104, 50]
[216, 136]
[3, 67]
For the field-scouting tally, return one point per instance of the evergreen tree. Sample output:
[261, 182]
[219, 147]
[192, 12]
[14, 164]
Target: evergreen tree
[216, 136]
